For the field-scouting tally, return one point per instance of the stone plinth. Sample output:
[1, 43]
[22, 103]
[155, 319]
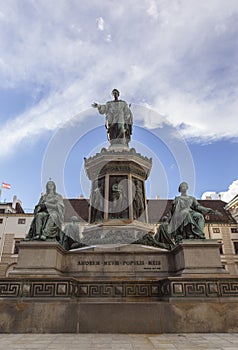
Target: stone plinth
[119, 289]
[198, 257]
[113, 261]
[40, 259]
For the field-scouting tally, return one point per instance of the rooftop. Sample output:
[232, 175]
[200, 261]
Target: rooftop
[157, 208]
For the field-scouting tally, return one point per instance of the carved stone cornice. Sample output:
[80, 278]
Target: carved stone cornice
[118, 162]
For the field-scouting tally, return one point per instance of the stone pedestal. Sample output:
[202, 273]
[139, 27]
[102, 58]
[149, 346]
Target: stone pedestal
[39, 259]
[198, 257]
[118, 177]
[116, 261]
[102, 262]
[119, 289]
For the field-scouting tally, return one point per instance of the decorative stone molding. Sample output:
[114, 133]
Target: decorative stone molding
[161, 289]
[199, 288]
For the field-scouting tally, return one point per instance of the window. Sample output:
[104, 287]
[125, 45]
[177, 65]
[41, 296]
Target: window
[1, 221]
[216, 230]
[207, 217]
[236, 247]
[234, 230]
[2, 211]
[16, 247]
[21, 221]
[221, 247]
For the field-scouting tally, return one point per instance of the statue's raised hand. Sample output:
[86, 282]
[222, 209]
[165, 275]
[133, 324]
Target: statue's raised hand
[94, 105]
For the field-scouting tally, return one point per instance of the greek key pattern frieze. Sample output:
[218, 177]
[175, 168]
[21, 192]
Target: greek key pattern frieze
[9, 289]
[113, 290]
[161, 289]
[195, 288]
[36, 289]
[230, 289]
[49, 289]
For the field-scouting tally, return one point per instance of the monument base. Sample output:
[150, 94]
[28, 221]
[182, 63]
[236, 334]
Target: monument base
[113, 261]
[119, 289]
[60, 307]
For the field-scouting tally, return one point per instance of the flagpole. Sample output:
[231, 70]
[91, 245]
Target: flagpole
[1, 192]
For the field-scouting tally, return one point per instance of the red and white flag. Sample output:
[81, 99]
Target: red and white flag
[5, 185]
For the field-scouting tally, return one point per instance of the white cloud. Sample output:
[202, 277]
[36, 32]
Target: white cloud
[152, 9]
[197, 117]
[100, 22]
[178, 57]
[109, 38]
[211, 195]
[48, 115]
[226, 196]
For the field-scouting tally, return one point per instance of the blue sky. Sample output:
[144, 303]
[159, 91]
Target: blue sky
[174, 61]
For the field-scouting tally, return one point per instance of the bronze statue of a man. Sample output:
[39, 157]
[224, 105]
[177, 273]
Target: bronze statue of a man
[138, 201]
[119, 119]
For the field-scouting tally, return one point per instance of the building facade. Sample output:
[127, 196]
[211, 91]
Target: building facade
[232, 207]
[13, 225]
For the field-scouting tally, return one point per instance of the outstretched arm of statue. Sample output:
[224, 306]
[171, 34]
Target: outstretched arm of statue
[211, 211]
[206, 210]
[215, 212]
[102, 109]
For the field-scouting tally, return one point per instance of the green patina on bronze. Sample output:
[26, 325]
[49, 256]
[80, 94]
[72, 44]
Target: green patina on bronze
[48, 216]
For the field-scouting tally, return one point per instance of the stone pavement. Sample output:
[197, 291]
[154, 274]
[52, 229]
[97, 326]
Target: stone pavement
[198, 341]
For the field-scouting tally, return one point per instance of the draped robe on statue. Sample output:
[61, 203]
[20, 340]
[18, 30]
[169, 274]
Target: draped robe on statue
[118, 121]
